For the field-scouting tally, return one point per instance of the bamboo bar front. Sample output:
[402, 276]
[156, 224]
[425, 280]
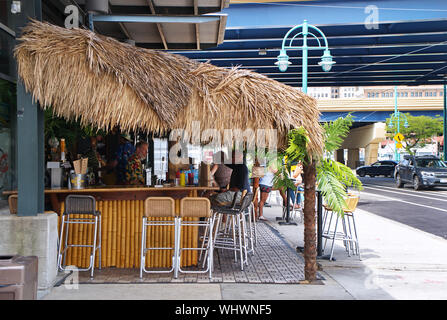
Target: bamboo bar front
[122, 210]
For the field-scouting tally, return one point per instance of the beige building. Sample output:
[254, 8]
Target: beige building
[380, 92]
[404, 92]
[373, 99]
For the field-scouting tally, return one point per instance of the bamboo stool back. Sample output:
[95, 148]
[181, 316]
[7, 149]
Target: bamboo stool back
[351, 204]
[160, 207]
[195, 207]
[76, 204]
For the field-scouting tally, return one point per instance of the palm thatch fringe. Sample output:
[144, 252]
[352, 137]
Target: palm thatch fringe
[103, 82]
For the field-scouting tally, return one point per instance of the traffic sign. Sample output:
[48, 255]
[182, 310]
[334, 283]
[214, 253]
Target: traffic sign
[399, 137]
[398, 145]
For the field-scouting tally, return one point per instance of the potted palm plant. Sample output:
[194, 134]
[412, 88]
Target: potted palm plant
[331, 177]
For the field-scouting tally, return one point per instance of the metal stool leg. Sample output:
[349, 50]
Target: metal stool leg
[100, 242]
[234, 238]
[238, 218]
[92, 256]
[346, 239]
[59, 254]
[255, 228]
[244, 236]
[250, 230]
[328, 229]
[356, 236]
[143, 247]
[333, 238]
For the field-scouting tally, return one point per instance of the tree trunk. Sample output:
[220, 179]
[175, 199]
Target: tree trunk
[310, 234]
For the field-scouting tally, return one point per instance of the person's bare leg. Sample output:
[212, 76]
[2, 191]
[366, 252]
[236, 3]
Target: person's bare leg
[283, 196]
[264, 196]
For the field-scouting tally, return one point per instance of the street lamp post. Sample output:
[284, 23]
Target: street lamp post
[396, 118]
[283, 63]
[283, 59]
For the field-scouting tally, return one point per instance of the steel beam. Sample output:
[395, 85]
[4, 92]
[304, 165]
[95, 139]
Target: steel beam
[30, 134]
[156, 18]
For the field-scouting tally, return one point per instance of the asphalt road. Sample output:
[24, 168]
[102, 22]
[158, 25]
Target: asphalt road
[424, 210]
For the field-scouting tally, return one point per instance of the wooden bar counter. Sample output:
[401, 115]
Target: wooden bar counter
[122, 210]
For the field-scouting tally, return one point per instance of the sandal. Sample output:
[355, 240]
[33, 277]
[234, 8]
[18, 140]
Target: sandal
[262, 218]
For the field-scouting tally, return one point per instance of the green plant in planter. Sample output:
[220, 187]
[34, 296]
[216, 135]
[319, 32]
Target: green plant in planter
[71, 130]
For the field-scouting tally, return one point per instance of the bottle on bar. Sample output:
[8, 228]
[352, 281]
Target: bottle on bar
[62, 150]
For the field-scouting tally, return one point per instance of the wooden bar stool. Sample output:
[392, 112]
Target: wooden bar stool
[199, 208]
[12, 202]
[350, 240]
[155, 208]
[80, 206]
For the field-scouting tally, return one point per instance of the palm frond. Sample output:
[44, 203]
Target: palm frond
[341, 171]
[332, 190]
[335, 132]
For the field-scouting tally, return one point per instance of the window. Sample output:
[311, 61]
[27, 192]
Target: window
[406, 94]
[430, 163]
[7, 132]
[412, 94]
[434, 94]
[160, 157]
[377, 164]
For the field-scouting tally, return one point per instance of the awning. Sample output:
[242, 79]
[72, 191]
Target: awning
[154, 24]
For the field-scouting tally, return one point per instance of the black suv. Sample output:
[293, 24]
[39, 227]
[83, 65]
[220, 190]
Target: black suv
[385, 168]
[422, 171]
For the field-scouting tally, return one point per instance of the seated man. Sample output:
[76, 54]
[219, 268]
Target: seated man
[238, 182]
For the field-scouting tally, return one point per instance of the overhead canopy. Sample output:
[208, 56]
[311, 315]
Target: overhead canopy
[103, 82]
[404, 44]
[186, 24]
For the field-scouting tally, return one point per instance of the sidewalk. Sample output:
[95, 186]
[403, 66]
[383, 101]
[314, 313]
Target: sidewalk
[398, 262]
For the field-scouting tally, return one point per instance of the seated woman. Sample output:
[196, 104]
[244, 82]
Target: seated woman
[220, 172]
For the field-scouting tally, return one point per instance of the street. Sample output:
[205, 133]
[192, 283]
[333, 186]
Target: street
[425, 210]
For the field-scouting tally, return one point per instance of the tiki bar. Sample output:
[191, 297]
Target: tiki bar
[112, 112]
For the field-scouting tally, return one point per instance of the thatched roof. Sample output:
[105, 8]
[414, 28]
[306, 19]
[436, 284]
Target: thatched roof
[86, 76]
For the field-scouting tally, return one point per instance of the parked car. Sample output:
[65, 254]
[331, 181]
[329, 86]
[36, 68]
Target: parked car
[421, 171]
[379, 168]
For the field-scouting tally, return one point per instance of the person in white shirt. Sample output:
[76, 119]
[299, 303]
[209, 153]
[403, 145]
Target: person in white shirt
[266, 185]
